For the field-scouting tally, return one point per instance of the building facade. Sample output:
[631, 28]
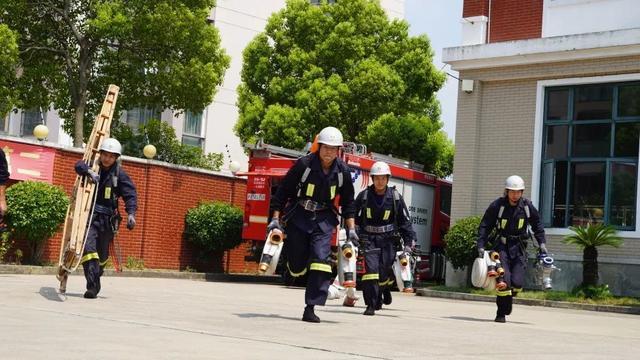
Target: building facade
[550, 90]
[238, 22]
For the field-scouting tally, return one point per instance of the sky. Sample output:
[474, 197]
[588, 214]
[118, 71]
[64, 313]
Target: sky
[440, 20]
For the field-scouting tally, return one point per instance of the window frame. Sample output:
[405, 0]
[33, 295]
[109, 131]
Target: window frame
[540, 138]
[198, 137]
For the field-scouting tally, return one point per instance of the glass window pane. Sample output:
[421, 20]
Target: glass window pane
[622, 211]
[554, 193]
[192, 124]
[591, 140]
[629, 100]
[192, 140]
[627, 140]
[558, 104]
[30, 119]
[556, 142]
[587, 195]
[593, 103]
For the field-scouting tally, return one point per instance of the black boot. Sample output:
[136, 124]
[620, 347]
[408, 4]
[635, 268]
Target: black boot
[500, 314]
[508, 305]
[309, 315]
[90, 294]
[386, 296]
[370, 311]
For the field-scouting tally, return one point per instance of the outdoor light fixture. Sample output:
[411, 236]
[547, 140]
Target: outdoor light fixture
[41, 132]
[149, 151]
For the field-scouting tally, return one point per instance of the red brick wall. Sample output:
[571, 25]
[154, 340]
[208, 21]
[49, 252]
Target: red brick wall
[515, 20]
[164, 196]
[475, 8]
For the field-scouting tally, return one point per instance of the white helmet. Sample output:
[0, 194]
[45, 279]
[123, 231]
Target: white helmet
[380, 168]
[330, 136]
[514, 182]
[111, 145]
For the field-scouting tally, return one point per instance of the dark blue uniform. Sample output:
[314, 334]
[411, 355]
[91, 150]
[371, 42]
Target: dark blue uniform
[512, 233]
[114, 183]
[310, 220]
[4, 174]
[380, 221]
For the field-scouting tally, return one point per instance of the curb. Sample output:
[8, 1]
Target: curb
[634, 310]
[161, 274]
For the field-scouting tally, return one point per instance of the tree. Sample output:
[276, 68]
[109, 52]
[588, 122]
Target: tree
[588, 239]
[343, 65]
[168, 147]
[8, 66]
[161, 53]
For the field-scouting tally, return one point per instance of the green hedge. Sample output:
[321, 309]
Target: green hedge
[460, 242]
[35, 212]
[214, 226]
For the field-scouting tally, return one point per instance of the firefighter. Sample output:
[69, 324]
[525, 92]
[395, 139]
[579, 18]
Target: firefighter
[384, 224]
[510, 216]
[308, 198]
[4, 177]
[112, 183]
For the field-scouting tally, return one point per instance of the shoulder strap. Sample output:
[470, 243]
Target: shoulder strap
[500, 212]
[305, 174]
[527, 211]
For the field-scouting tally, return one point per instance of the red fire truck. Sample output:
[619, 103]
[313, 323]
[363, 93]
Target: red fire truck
[427, 197]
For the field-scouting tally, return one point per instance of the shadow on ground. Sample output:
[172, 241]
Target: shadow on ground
[276, 316]
[466, 318]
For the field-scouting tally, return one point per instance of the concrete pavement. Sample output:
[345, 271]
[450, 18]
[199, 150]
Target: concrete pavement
[145, 318]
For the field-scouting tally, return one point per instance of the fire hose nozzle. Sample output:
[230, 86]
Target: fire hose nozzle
[347, 251]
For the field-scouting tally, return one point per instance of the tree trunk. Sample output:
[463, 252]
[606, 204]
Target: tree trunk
[590, 266]
[78, 134]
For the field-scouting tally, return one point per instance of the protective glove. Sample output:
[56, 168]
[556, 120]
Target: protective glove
[131, 221]
[81, 168]
[274, 224]
[93, 177]
[408, 249]
[543, 249]
[480, 252]
[353, 237]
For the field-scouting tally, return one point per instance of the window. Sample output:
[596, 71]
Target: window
[4, 123]
[29, 119]
[138, 116]
[445, 199]
[192, 129]
[590, 155]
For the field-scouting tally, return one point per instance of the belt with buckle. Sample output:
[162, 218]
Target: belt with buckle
[101, 209]
[379, 229]
[311, 205]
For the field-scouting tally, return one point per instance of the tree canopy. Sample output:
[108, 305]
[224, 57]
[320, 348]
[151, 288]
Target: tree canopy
[344, 65]
[162, 54]
[8, 67]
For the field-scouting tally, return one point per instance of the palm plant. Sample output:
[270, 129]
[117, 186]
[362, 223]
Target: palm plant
[588, 239]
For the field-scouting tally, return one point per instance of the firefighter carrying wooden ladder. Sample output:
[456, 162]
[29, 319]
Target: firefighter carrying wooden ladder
[83, 196]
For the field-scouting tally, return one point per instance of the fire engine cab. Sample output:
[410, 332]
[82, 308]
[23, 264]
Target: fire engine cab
[428, 198]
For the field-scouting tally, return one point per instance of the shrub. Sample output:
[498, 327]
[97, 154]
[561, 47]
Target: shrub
[5, 243]
[460, 242]
[35, 212]
[596, 292]
[214, 226]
